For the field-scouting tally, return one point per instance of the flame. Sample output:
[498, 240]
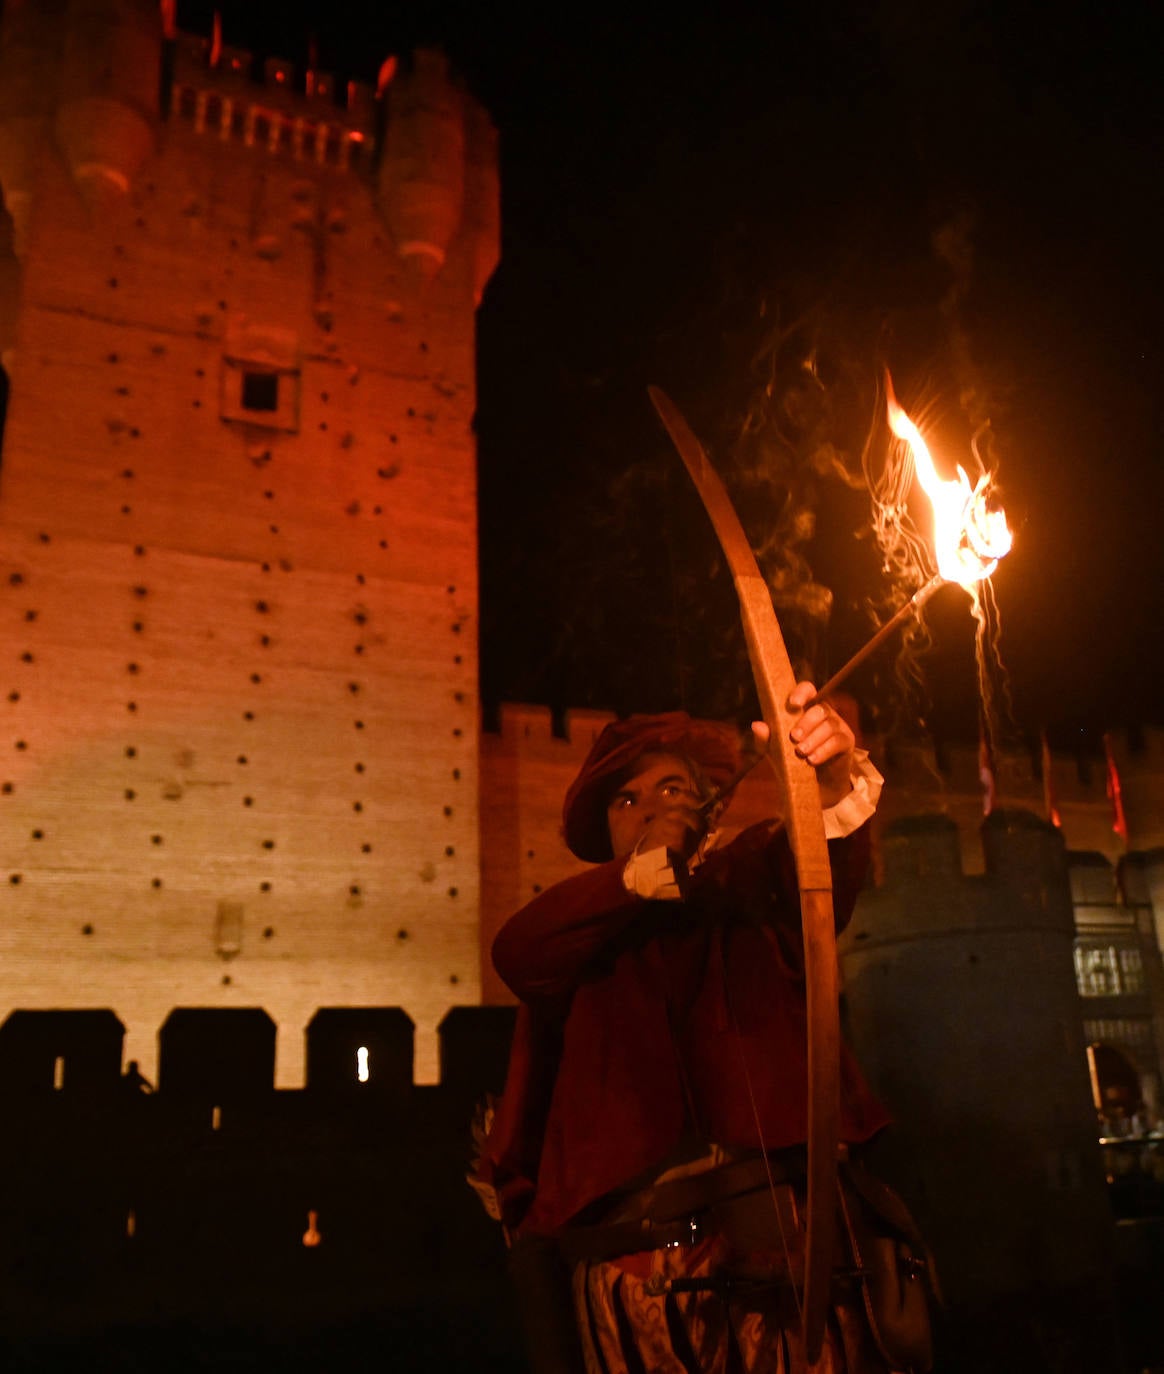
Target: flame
[969, 536]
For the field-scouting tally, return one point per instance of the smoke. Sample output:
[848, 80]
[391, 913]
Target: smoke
[789, 458]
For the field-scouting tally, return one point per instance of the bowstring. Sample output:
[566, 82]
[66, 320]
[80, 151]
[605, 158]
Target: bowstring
[796, 1295]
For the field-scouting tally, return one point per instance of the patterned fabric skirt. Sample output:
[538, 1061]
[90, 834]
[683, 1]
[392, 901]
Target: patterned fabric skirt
[626, 1328]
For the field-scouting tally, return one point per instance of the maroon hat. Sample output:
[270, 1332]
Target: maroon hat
[714, 747]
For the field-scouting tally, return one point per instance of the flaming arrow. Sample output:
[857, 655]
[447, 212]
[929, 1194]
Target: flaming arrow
[775, 679]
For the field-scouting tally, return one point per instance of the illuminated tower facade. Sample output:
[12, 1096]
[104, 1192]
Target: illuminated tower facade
[238, 563]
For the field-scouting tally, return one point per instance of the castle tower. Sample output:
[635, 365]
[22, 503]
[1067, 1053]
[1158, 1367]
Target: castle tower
[963, 1009]
[237, 543]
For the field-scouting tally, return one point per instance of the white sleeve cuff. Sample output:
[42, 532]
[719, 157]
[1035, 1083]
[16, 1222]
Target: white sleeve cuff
[650, 875]
[855, 808]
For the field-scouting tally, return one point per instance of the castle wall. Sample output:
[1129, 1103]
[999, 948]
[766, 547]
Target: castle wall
[917, 785]
[238, 586]
[961, 1000]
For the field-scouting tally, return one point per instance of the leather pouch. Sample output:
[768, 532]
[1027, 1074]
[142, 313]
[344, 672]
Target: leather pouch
[895, 1270]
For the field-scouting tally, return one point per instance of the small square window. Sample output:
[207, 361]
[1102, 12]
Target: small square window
[260, 391]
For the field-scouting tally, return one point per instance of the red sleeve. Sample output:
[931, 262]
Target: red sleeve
[542, 951]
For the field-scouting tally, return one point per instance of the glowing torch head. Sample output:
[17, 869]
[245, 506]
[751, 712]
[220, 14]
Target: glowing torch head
[970, 534]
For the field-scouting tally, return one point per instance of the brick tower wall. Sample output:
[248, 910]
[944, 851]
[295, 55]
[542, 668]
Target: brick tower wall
[238, 585]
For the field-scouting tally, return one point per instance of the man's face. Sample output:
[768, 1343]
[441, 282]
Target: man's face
[657, 805]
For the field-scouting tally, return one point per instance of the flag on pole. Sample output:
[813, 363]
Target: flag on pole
[986, 770]
[1114, 792]
[1050, 804]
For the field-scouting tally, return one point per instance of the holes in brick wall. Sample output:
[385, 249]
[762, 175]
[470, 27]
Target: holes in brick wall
[268, 844]
[155, 839]
[132, 668]
[365, 849]
[86, 929]
[449, 851]
[130, 794]
[453, 979]
[265, 886]
[155, 883]
[402, 934]
[448, 810]
[268, 932]
[30, 616]
[248, 801]
[27, 657]
[21, 745]
[452, 891]
[13, 696]
[130, 752]
[357, 806]
[242, 760]
[6, 789]
[16, 879]
[360, 768]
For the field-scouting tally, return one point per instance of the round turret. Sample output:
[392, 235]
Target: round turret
[1027, 862]
[30, 39]
[482, 197]
[422, 171]
[10, 284]
[109, 93]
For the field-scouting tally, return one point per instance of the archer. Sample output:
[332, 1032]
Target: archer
[649, 1147]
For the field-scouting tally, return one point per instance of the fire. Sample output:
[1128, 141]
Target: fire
[969, 536]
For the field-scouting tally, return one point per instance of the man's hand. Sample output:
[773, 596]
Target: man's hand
[823, 738]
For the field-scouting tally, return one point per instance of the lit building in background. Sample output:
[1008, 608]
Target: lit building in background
[238, 557]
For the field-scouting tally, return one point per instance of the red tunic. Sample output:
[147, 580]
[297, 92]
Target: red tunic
[645, 1021]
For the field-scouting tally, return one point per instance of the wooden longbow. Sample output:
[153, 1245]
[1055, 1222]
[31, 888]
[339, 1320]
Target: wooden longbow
[772, 670]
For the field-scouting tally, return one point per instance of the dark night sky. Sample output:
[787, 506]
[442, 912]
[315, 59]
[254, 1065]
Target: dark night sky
[707, 203]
